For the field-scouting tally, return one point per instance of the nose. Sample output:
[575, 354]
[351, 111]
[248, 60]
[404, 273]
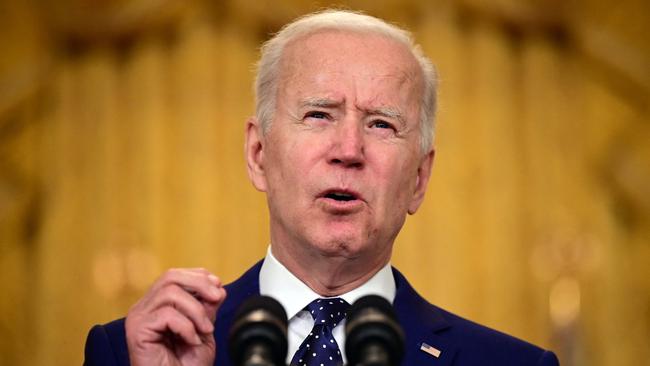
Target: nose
[348, 148]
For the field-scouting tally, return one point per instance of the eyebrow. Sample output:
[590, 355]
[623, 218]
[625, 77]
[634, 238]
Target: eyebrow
[388, 112]
[320, 102]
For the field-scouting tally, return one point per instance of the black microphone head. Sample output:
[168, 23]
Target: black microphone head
[372, 324]
[372, 302]
[266, 303]
[261, 321]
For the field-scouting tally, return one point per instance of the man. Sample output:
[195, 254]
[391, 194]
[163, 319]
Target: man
[342, 146]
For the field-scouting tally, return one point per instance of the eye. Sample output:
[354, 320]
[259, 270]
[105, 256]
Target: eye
[317, 115]
[381, 124]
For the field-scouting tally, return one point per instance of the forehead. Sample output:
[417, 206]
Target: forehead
[370, 67]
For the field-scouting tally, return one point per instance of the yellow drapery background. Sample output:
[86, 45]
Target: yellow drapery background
[121, 154]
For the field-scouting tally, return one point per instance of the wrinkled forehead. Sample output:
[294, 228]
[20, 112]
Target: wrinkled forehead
[369, 59]
[332, 47]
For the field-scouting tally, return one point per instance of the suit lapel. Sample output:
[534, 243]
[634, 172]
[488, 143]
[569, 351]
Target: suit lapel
[422, 323]
[236, 292]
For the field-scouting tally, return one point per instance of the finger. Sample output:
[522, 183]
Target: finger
[201, 271]
[166, 320]
[189, 277]
[211, 307]
[179, 299]
[197, 281]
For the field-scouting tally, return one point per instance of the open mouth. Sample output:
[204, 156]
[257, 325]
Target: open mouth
[341, 201]
[341, 196]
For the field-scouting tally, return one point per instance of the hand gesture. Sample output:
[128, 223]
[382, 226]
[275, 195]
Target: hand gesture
[173, 323]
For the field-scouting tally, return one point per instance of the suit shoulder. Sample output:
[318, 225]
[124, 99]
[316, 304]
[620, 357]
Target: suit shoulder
[465, 342]
[481, 343]
[106, 345]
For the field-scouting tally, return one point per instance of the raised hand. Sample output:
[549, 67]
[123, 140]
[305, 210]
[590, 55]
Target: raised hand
[173, 323]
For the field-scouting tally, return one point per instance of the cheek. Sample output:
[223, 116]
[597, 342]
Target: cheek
[397, 177]
[292, 162]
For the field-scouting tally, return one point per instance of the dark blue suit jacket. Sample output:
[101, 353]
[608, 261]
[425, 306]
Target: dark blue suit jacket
[461, 342]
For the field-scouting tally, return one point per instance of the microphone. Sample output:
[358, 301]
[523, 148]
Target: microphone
[373, 335]
[258, 336]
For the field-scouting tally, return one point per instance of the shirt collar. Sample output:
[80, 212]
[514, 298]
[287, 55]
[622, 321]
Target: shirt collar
[278, 282]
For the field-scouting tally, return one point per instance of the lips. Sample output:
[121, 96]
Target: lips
[341, 201]
[340, 195]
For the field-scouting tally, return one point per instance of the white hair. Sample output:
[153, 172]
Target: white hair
[268, 67]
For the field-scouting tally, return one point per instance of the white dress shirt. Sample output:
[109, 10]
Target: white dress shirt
[276, 281]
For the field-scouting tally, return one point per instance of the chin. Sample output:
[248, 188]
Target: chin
[340, 239]
[341, 246]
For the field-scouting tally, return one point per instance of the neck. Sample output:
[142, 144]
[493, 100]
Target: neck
[329, 275]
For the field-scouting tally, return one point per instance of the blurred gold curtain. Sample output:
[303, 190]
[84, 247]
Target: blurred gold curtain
[121, 154]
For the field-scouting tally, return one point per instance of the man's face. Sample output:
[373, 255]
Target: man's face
[341, 163]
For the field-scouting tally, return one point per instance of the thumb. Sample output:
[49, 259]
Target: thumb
[211, 307]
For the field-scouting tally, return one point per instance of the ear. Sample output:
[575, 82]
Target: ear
[254, 150]
[422, 179]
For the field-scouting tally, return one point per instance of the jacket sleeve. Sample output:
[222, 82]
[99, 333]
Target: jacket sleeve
[106, 345]
[548, 359]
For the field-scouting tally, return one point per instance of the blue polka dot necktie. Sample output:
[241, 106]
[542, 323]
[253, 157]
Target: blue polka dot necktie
[320, 347]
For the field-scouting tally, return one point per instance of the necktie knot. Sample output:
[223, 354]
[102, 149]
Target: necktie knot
[328, 312]
[320, 347]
